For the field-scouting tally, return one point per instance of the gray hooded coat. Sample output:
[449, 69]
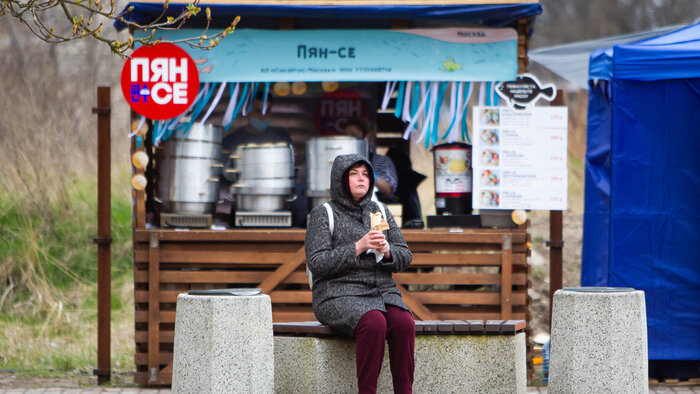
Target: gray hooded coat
[345, 286]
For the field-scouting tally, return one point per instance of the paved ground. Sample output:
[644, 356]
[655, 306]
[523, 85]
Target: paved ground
[123, 384]
[92, 390]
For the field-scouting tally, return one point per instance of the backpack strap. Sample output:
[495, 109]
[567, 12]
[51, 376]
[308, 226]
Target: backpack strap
[381, 208]
[331, 226]
[329, 210]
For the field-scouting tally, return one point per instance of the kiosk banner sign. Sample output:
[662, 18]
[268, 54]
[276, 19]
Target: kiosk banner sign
[520, 158]
[450, 54]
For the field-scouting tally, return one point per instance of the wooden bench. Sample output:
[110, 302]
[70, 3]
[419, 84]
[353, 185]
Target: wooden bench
[451, 356]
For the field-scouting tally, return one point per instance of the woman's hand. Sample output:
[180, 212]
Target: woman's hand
[372, 240]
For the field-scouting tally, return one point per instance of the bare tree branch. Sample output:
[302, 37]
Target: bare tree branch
[84, 19]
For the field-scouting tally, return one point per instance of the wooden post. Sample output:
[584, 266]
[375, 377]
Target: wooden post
[104, 235]
[556, 240]
[506, 277]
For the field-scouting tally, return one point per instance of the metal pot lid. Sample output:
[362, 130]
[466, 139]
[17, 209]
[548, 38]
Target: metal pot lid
[266, 183]
[260, 191]
[254, 145]
[335, 138]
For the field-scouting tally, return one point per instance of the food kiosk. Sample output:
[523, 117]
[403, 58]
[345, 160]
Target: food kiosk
[320, 62]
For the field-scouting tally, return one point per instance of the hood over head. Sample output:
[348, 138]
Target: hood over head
[341, 165]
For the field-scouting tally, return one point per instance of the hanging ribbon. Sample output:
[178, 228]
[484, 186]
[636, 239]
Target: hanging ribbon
[398, 108]
[239, 105]
[489, 94]
[199, 106]
[249, 97]
[266, 91]
[406, 113]
[482, 94]
[233, 99]
[453, 107]
[463, 112]
[161, 127]
[429, 117]
[442, 88]
[423, 95]
[494, 100]
[214, 103]
[388, 91]
[415, 101]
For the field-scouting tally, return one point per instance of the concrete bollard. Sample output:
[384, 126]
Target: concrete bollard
[223, 344]
[599, 341]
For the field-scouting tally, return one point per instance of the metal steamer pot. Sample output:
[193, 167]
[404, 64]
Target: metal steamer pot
[265, 177]
[320, 154]
[188, 170]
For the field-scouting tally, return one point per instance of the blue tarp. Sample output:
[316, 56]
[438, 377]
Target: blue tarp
[376, 16]
[642, 196]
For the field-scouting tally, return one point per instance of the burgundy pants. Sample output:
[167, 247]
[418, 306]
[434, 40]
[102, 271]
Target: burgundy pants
[398, 328]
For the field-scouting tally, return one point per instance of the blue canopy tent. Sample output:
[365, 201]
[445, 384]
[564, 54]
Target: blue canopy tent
[641, 220]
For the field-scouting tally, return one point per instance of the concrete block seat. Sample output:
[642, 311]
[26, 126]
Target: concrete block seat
[599, 341]
[451, 356]
[223, 344]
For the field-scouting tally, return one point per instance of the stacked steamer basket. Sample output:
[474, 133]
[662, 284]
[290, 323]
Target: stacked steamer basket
[188, 176]
[264, 185]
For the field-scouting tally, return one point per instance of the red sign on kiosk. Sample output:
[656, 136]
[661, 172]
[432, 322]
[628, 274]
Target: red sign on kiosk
[160, 81]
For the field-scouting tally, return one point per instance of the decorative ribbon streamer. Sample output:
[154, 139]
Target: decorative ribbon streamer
[465, 131]
[399, 99]
[214, 103]
[429, 116]
[419, 108]
[239, 105]
[494, 100]
[161, 127]
[249, 98]
[233, 99]
[482, 94]
[266, 92]
[406, 113]
[489, 94]
[388, 91]
[199, 106]
[442, 87]
[453, 105]
[415, 100]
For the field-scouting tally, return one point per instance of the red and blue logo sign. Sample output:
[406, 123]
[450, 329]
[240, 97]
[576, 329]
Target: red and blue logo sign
[160, 81]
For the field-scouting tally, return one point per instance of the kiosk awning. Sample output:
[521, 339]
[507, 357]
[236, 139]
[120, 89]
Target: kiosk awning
[344, 13]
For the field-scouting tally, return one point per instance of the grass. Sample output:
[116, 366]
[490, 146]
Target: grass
[48, 273]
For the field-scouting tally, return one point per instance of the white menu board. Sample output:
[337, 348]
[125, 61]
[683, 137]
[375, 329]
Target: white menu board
[519, 158]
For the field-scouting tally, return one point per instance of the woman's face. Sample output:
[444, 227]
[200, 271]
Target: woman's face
[358, 181]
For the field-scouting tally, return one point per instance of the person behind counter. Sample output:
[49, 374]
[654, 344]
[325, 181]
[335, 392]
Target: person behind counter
[387, 180]
[353, 291]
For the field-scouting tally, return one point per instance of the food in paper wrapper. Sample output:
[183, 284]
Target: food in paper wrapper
[377, 222]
